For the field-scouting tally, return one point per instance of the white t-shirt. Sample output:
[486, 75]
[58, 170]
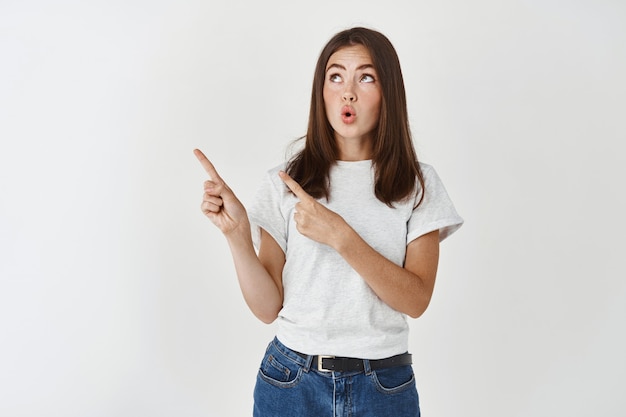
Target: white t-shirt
[328, 308]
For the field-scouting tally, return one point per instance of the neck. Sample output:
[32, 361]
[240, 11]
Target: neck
[354, 149]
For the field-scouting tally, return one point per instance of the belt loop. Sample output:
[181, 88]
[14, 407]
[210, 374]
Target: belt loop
[308, 362]
[366, 367]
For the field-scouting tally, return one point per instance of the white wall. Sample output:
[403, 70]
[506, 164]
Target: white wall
[118, 298]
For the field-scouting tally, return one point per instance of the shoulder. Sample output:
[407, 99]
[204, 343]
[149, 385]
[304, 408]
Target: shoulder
[273, 171]
[426, 169]
[429, 173]
[434, 186]
[272, 184]
[271, 174]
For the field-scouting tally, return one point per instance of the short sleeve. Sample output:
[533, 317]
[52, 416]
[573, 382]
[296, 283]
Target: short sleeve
[436, 212]
[266, 210]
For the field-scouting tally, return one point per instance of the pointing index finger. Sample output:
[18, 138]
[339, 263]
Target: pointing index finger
[207, 165]
[294, 186]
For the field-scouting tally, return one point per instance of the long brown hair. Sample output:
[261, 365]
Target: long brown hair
[394, 158]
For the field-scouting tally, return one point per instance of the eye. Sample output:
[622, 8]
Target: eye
[335, 78]
[367, 78]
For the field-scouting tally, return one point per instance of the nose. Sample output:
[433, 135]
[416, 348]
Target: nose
[348, 94]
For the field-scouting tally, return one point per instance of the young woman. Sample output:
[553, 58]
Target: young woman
[347, 243]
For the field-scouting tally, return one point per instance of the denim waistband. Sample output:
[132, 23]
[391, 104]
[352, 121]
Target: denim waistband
[297, 357]
[354, 365]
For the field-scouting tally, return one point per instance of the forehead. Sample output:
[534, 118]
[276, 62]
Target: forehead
[356, 55]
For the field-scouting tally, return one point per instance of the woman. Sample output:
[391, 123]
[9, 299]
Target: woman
[348, 236]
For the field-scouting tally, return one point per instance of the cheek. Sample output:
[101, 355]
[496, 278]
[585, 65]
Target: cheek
[373, 98]
[327, 95]
[375, 108]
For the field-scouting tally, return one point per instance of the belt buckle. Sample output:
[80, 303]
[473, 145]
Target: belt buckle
[319, 362]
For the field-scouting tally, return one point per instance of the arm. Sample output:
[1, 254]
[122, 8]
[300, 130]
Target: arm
[407, 289]
[260, 277]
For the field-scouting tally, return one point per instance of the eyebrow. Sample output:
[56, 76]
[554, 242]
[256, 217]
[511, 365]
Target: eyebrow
[364, 66]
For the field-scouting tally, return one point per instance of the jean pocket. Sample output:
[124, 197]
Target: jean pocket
[280, 371]
[394, 380]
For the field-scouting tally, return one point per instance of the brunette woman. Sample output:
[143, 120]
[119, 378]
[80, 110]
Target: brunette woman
[346, 243]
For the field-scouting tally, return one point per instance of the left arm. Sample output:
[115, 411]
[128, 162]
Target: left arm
[406, 289]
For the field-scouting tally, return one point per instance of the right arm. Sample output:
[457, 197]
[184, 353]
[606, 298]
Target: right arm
[260, 277]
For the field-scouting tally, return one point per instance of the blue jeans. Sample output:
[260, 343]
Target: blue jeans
[287, 386]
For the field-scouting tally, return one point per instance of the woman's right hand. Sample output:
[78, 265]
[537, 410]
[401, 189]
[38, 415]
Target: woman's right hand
[219, 203]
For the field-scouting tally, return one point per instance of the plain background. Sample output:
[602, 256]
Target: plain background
[118, 298]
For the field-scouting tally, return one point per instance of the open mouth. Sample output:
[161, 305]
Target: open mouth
[348, 114]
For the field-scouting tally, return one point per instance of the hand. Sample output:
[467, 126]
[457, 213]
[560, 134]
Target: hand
[313, 220]
[219, 203]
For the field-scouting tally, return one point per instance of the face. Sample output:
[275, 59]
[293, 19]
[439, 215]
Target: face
[352, 94]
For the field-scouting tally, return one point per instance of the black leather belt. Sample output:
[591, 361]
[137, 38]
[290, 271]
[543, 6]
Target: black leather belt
[340, 364]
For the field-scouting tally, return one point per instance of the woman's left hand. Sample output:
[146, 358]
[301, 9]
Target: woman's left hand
[313, 220]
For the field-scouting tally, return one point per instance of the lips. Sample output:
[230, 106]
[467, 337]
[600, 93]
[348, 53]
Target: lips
[348, 115]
